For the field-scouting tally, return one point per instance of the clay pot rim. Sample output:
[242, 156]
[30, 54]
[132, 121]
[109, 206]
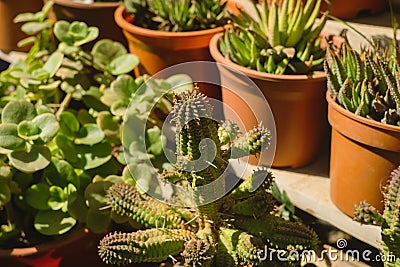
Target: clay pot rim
[120, 14]
[359, 118]
[43, 247]
[216, 54]
[95, 5]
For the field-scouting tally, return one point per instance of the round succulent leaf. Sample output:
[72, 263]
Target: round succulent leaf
[77, 207]
[53, 222]
[61, 173]
[95, 194]
[89, 134]
[69, 124]
[9, 138]
[40, 74]
[35, 158]
[38, 195]
[180, 83]
[105, 51]
[67, 148]
[109, 126]
[67, 49]
[48, 125]
[53, 63]
[123, 64]
[155, 141]
[43, 109]
[118, 108]
[58, 198]
[98, 221]
[5, 193]
[34, 27]
[28, 130]
[92, 34]
[18, 110]
[93, 156]
[24, 17]
[84, 117]
[60, 29]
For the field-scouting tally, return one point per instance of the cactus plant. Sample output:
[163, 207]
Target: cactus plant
[234, 229]
[281, 39]
[366, 83]
[389, 220]
[177, 16]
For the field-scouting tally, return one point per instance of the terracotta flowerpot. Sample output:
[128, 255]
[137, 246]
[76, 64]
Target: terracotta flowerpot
[297, 103]
[99, 14]
[349, 9]
[363, 153]
[158, 50]
[78, 249]
[10, 33]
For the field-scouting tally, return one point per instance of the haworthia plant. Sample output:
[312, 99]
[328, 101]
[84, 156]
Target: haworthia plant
[234, 230]
[389, 220]
[282, 38]
[366, 83]
[177, 16]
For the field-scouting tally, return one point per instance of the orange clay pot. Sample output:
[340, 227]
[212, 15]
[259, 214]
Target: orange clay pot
[78, 249]
[99, 14]
[349, 9]
[10, 33]
[296, 101]
[363, 153]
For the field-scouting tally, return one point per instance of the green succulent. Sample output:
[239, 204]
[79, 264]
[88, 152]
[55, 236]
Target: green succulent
[232, 231]
[281, 39]
[62, 113]
[389, 221]
[177, 15]
[366, 83]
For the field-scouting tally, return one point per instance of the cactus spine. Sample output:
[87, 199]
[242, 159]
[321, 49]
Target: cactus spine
[223, 231]
[389, 220]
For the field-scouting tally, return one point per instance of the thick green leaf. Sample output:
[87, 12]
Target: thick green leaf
[123, 64]
[35, 158]
[34, 27]
[5, 193]
[69, 124]
[105, 51]
[61, 173]
[92, 156]
[155, 141]
[28, 130]
[95, 195]
[180, 83]
[89, 134]
[53, 63]
[97, 221]
[48, 125]
[67, 148]
[38, 195]
[53, 222]
[9, 138]
[77, 207]
[93, 33]
[61, 31]
[58, 198]
[109, 126]
[18, 110]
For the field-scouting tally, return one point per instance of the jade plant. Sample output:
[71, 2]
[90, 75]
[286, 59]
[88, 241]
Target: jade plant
[282, 38]
[60, 129]
[234, 230]
[177, 16]
[389, 220]
[366, 83]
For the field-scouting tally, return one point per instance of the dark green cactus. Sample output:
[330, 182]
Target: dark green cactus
[366, 83]
[389, 220]
[228, 232]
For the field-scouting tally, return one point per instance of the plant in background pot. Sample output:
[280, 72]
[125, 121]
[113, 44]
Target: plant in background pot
[364, 111]
[280, 50]
[389, 220]
[228, 224]
[165, 33]
[96, 13]
[61, 114]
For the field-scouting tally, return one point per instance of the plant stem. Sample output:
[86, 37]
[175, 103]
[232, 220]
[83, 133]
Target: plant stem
[64, 104]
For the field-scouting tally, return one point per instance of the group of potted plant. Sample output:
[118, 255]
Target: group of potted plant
[62, 111]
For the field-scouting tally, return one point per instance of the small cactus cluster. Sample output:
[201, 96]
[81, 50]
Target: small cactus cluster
[366, 83]
[280, 39]
[389, 220]
[232, 231]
